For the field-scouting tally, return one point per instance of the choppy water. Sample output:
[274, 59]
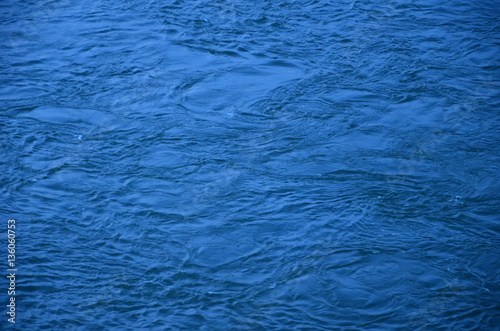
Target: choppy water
[240, 165]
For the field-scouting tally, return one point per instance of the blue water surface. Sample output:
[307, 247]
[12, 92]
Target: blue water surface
[251, 165]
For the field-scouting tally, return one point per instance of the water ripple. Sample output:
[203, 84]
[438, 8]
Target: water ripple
[231, 165]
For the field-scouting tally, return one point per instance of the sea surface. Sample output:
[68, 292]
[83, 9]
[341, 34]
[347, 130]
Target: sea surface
[251, 165]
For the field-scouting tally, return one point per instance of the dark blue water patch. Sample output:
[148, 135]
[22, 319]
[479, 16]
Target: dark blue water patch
[231, 165]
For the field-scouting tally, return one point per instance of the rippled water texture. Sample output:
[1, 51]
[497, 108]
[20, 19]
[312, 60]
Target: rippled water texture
[241, 165]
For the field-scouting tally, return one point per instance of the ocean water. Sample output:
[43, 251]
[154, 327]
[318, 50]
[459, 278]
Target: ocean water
[241, 165]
